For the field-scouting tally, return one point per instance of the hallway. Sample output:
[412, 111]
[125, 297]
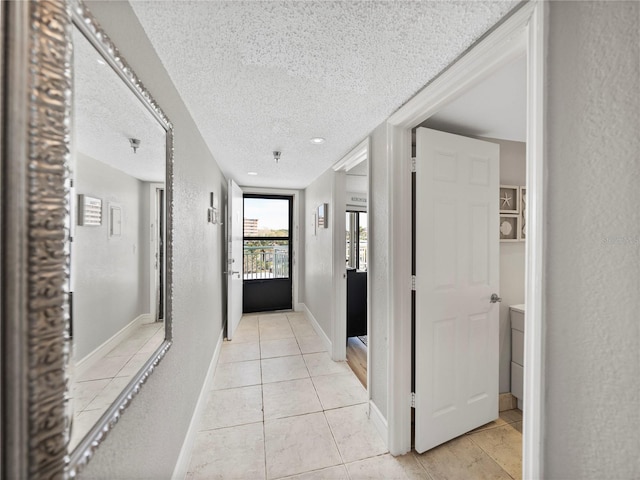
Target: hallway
[280, 407]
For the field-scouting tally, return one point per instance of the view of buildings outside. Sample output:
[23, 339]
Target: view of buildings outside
[266, 220]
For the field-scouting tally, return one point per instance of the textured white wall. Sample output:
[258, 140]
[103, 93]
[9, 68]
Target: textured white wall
[147, 440]
[318, 278]
[108, 271]
[592, 331]
[356, 183]
[378, 268]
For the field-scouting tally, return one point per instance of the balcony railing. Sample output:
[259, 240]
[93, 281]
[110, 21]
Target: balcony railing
[262, 262]
[362, 255]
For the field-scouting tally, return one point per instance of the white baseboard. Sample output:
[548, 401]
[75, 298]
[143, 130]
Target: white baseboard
[299, 307]
[89, 361]
[182, 465]
[317, 328]
[379, 422]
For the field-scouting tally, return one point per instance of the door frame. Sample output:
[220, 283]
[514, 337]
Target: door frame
[289, 238]
[359, 154]
[153, 235]
[523, 32]
[295, 234]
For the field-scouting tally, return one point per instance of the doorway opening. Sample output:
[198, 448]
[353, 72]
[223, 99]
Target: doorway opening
[267, 246]
[492, 113]
[157, 204]
[521, 33]
[352, 336]
[357, 253]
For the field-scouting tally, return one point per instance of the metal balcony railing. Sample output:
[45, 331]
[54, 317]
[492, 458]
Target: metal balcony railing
[262, 262]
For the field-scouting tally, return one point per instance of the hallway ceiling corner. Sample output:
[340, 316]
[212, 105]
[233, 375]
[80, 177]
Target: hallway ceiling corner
[264, 76]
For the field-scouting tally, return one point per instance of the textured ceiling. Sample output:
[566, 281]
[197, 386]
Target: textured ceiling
[107, 114]
[264, 76]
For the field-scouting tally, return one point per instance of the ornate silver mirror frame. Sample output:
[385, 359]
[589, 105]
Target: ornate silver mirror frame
[35, 225]
[34, 289]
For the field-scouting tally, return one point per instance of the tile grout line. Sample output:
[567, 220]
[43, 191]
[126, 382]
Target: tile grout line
[333, 437]
[264, 427]
[490, 456]
[324, 415]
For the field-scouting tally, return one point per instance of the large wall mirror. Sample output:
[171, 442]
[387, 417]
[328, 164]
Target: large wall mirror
[121, 217]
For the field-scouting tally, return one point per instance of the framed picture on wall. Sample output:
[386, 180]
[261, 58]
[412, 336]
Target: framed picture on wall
[510, 199]
[509, 228]
[323, 215]
[523, 217]
[115, 220]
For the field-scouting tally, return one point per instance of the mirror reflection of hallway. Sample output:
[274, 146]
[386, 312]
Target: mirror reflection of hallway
[118, 253]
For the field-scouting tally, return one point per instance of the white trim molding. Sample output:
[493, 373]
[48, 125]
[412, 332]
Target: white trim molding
[182, 464]
[316, 326]
[359, 154]
[379, 422]
[534, 386]
[90, 360]
[522, 33]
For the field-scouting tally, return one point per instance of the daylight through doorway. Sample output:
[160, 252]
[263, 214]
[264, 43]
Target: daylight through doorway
[267, 241]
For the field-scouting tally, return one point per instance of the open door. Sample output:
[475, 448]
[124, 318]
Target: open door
[457, 271]
[234, 257]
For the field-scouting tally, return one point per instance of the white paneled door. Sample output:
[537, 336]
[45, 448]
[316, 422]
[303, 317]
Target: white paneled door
[457, 268]
[235, 226]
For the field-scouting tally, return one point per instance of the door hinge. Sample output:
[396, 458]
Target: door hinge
[413, 399]
[413, 283]
[413, 164]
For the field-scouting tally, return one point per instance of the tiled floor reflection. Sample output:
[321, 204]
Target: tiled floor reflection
[279, 407]
[96, 389]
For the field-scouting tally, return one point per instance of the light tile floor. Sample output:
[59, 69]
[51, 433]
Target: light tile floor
[97, 388]
[281, 408]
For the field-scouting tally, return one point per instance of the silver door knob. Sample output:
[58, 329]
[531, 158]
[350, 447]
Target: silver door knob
[495, 298]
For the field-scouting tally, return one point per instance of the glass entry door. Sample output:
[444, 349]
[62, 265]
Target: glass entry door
[267, 262]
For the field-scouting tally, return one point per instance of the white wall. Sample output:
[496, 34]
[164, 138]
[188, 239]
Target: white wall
[147, 439]
[109, 275]
[592, 296]
[318, 253]
[356, 183]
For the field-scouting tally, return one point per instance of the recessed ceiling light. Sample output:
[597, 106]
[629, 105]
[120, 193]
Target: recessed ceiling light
[101, 62]
[252, 173]
[317, 140]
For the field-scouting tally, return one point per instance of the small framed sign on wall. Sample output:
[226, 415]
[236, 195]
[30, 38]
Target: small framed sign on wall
[89, 211]
[115, 220]
[323, 215]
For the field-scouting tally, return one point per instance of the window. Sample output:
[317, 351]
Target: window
[356, 234]
[267, 223]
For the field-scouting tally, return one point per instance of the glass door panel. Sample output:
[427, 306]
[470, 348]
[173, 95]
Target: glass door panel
[267, 253]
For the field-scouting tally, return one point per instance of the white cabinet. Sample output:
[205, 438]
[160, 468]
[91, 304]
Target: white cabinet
[516, 312]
